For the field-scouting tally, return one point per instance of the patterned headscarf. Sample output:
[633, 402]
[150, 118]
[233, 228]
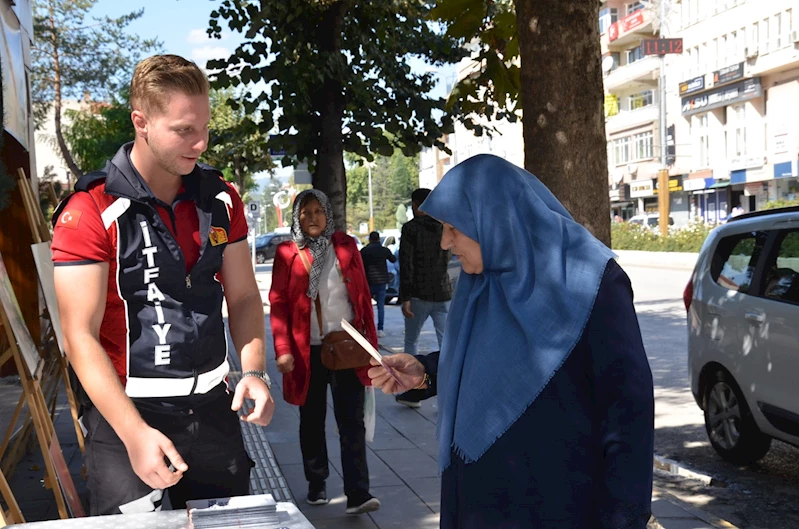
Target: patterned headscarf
[317, 245]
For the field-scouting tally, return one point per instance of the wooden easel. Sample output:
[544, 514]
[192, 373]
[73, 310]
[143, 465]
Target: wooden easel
[52, 351]
[13, 515]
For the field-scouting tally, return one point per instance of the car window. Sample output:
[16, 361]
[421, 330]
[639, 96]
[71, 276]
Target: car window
[782, 275]
[735, 259]
[652, 221]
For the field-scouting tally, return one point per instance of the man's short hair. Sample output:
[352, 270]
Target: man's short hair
[157, 77]
[374, 237]
[419, 196]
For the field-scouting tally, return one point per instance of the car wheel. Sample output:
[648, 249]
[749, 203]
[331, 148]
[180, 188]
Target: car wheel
[730, 427]
[260, 257]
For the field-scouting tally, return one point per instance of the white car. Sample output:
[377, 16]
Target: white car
[648, 220]
[743, 333]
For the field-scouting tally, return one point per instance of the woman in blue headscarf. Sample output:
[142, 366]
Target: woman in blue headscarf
[546, 406]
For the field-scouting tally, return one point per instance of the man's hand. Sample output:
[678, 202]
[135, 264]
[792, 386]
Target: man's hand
[406, 367]
[146, 450]
[254, 388]
[285, 363]
[406, 309]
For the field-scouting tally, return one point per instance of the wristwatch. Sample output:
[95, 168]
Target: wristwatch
[259, 374]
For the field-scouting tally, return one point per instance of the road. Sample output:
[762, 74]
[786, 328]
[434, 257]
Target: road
[758, 497]
[765, 496]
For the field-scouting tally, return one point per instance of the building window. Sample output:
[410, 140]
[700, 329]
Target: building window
[753, 42]
[641, 100]
[777, 31]
[621, 148]
[643, 144]
[764, 36]
[634, 6]
[732, 51]
[635, 54]
[607, 16]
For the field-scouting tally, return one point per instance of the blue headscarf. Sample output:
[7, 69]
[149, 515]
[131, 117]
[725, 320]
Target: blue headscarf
[511, 327]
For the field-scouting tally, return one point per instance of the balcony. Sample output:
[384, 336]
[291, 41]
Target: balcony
[627, 119]
[644, 72]
[629, 30]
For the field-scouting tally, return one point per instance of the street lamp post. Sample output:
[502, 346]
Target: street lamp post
[371, 207]
[663, 173]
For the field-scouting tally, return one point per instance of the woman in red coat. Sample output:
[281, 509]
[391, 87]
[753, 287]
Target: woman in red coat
[337, 279]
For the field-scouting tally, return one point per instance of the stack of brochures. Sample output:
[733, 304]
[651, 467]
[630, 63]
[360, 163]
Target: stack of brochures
[241, 511]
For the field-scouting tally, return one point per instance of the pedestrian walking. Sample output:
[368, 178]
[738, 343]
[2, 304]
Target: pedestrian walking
[375, 256]
[546, 405]
[425, 288]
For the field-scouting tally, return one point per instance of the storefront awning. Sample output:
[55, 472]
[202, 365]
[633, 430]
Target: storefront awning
[720, 184]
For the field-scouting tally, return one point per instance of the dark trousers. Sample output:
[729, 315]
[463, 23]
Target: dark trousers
[208, 439]
[348, 398]
[379, 295]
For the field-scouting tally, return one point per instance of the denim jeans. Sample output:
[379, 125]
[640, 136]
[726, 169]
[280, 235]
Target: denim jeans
[379, 295]
[421, 311]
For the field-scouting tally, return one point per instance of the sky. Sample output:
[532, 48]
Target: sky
[181, 27]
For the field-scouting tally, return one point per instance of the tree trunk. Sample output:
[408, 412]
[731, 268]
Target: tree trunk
[62, 144]
[562, 93]
[329, 175]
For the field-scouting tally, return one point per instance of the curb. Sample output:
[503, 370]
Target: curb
[714, 521]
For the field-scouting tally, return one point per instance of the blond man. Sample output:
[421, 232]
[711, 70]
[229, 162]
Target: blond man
[145, 252]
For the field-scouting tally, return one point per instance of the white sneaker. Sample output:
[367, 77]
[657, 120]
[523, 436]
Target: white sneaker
[381, 334]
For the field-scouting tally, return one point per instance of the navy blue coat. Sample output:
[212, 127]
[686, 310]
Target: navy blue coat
[580, 457]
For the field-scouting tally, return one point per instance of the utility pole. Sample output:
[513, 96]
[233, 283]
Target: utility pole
[371, 208]
[664, 201]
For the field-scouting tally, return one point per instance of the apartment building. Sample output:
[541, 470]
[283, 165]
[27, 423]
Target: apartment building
[506, 142]
[734, 103]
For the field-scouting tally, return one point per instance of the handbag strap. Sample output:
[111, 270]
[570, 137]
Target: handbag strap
[318, 303]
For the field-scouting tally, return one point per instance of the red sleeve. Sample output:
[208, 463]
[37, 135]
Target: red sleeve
[79, 235]
[279, 302]
[238, 222]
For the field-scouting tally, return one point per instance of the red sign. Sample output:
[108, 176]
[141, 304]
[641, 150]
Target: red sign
[628, 23]
[613, 31]
[632, 21]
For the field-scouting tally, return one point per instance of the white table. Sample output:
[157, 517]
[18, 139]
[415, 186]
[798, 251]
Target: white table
[290, 518]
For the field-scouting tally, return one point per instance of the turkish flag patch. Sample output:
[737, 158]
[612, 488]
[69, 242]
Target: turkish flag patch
[69, 219]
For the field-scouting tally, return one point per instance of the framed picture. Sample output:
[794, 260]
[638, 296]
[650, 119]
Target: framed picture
[44, 264]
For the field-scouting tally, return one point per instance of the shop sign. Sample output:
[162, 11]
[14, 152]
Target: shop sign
[697, 84]
[728, 74]
[671, 147]
[675, 185]
[640, 189]
[723, 96]
[746, 162]
[619, 194]
[694, 184]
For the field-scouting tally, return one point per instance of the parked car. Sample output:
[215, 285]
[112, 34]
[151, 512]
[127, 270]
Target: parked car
[743, 338]
[266, 244]
[648, 220]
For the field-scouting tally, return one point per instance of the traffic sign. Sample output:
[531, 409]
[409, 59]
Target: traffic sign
[254, 210]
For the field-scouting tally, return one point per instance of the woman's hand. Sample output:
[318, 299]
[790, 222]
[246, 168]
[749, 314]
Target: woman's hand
[285, 363]
[405, 367]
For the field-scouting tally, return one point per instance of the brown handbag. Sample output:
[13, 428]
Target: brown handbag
[339, 350]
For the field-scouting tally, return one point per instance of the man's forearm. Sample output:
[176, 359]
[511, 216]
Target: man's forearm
[246, 321]
[101, 383]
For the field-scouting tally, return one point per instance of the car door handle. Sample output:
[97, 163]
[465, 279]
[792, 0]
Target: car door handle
[755, 317]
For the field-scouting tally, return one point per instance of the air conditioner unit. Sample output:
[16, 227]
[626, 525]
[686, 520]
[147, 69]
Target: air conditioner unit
[795, 36]
[750, 52]
[632, 168]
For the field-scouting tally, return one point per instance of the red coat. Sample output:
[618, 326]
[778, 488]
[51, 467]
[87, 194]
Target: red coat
[290, 310]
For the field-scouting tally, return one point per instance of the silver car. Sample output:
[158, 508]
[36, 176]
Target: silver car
[743, 333]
